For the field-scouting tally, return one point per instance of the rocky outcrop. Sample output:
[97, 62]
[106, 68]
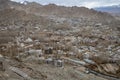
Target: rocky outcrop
[4, 4]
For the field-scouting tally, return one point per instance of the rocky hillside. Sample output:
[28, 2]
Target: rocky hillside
[32, 12]
[4, 4]
[62, 11]
[51, 42]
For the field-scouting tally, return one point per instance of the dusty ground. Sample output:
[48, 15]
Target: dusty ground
[42, 71]
[66, 73]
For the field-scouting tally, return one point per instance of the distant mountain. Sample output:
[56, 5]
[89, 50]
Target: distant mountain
[50, 10]
[110, 9]
[62, 11]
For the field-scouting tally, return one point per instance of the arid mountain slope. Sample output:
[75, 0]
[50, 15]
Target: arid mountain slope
[4, 4]
[62, 11]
